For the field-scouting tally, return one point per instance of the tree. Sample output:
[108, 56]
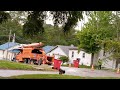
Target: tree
[95, 31]
[64, 59]
[89, 42]
[34, 25]
[55, 36]
[14, 25]
[4, 16]
[113, 45]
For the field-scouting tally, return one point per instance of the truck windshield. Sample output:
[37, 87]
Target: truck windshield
[36, 51]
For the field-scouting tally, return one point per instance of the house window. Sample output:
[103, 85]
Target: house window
[72, 54]
[83, 55]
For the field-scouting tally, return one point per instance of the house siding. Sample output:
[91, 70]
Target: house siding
[84, 61]
[57, 52]
[75, 55]
[8, 55]
[1, 54]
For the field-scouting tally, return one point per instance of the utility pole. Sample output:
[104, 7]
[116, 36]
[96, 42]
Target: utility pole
[8, 44]
[13, 38]
[9, 36]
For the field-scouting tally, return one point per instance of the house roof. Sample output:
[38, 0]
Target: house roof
[48, 48]
[7, 45]
[65, 49]
[73, 48]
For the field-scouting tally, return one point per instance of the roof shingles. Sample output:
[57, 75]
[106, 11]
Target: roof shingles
[7, 45]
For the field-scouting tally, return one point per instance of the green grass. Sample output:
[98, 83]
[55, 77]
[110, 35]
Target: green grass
[44, 76]
[53, 76]
[4, 64]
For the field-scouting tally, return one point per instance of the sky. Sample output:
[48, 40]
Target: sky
[80, 24]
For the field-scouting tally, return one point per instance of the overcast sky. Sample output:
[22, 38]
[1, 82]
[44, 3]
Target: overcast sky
[78, 27]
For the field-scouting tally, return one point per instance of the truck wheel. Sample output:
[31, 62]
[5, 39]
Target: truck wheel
[49, 63]
[14, 60]
[29, 61]
[25, 60]
[39, 62]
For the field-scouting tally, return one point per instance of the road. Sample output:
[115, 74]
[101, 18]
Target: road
[8, 73]
[69, 71]
[89, 73]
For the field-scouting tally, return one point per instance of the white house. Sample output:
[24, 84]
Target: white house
[85, 58]
[5, 50]
[57, 51]
[70, 51]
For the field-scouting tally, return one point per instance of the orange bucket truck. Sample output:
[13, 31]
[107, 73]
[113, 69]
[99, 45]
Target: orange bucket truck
[33, 53]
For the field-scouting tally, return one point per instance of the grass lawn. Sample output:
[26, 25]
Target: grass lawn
[53, 76]
[4, 64]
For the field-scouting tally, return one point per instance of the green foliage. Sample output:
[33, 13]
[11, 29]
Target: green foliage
[36, 19]
[4, 16]
[95, 31]
[88, 41]
[14, 25]
[55, 36]
[64, 59]
[113, 44]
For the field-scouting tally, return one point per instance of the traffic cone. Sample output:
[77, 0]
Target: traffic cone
[92, 68]
[118, 71]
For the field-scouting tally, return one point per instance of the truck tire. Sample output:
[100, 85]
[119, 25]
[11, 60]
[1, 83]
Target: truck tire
[25, 61]
[49, 63]
[14, 60]
[39, 62]
[29, 61]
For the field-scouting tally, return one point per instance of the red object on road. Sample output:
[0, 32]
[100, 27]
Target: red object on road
[76, 63]
[57, 64]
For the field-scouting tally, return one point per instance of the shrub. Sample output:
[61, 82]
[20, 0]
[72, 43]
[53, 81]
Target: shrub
[64, 59]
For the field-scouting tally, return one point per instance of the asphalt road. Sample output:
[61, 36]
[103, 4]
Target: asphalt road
[69, 71]
[8, 73]
[89, 73]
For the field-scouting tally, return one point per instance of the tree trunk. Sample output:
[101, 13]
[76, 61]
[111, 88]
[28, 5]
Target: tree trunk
[117, 62]
[92, 57]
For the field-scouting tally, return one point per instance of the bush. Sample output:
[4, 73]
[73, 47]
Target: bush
[64, 59]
